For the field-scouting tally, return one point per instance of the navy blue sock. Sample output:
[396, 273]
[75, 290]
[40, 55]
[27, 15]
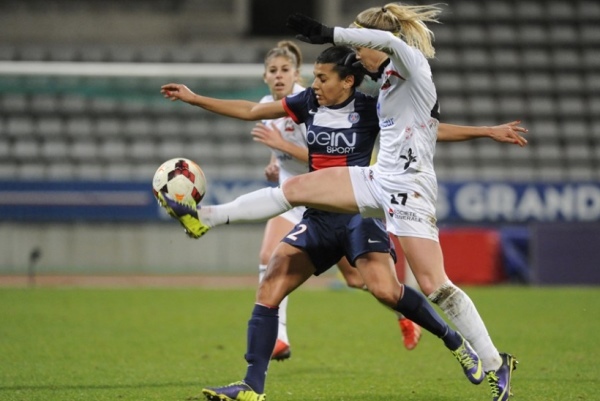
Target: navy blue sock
[262, 334]
[415, 306]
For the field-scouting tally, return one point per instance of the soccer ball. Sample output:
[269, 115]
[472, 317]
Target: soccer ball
[182, 179]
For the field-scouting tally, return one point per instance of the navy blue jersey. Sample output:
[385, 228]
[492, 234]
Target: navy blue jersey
[341, 135]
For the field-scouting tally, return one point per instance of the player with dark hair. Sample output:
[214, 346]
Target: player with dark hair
[287, 141]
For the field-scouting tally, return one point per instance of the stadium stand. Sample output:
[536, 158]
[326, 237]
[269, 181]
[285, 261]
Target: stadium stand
[496, 61]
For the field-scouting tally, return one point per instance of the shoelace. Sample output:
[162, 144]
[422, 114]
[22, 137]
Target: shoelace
[240, 383]
[493, 382]
[464, 358]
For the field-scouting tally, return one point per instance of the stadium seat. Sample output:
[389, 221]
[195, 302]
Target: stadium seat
[529, 10]
[479, 82]
[581, 173]
[505, 59]
[533, 34]
[551, 173]
[168, 149]
[138, 127]
[31, 171]
[5, 148]
[54, 150]
[561, 10]
[502, 34]
[78, 127]
[8, 169]
[472, 35]
[587, 9]
[113, 149]
[84, 150]
[14, 103]
[143, 149]
[90, 171]
[448, 82]
[44, 104]
[61, 170]
[19, 127]
[566, 58]
[498, 10]
[108, 127]
[119, 172]
[512, 106]
[535, 59]
[590, 34]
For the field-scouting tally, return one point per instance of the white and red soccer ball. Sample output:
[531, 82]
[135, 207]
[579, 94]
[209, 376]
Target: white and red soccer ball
[182, 179]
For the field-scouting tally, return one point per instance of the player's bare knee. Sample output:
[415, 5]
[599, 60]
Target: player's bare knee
[264, 256]
[385, 296]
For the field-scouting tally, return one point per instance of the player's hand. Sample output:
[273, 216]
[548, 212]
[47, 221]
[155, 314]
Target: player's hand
[309, 30]
[268, 135]
[272, 172]
[510, 133]
[177, 92]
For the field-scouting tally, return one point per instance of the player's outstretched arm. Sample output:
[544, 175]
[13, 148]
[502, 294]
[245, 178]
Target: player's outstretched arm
[511, 132]
[240, 109]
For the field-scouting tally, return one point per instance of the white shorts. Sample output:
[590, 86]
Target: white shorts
[294, 215]
[405, 201]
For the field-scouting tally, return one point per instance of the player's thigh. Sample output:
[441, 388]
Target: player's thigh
[426, 261]
[275, 229]
[378, 271]
[328, 189]
[288, 268]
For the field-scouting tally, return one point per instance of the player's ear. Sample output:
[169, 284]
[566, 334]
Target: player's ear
[349, 81]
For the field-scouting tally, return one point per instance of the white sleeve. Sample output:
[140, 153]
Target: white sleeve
[404, 57]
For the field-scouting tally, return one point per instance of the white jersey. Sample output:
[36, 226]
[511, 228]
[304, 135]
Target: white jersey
[406, 99]
[401, 186]
[291, 132]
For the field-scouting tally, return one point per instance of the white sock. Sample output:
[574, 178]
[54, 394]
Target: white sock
[461, 311]
[262, 269]
[282, 328]
[282, 333]
[252, 207]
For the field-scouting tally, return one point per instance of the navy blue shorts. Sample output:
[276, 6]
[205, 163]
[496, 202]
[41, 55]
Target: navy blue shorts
[326, 237]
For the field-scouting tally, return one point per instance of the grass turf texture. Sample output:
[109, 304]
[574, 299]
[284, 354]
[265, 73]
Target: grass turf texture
[166, 344]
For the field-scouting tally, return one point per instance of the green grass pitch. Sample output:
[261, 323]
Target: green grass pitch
[166, 344]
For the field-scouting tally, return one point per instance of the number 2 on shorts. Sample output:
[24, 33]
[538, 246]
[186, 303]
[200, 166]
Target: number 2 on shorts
[294, 236]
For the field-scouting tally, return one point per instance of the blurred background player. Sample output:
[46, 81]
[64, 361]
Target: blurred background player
[289, 157]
